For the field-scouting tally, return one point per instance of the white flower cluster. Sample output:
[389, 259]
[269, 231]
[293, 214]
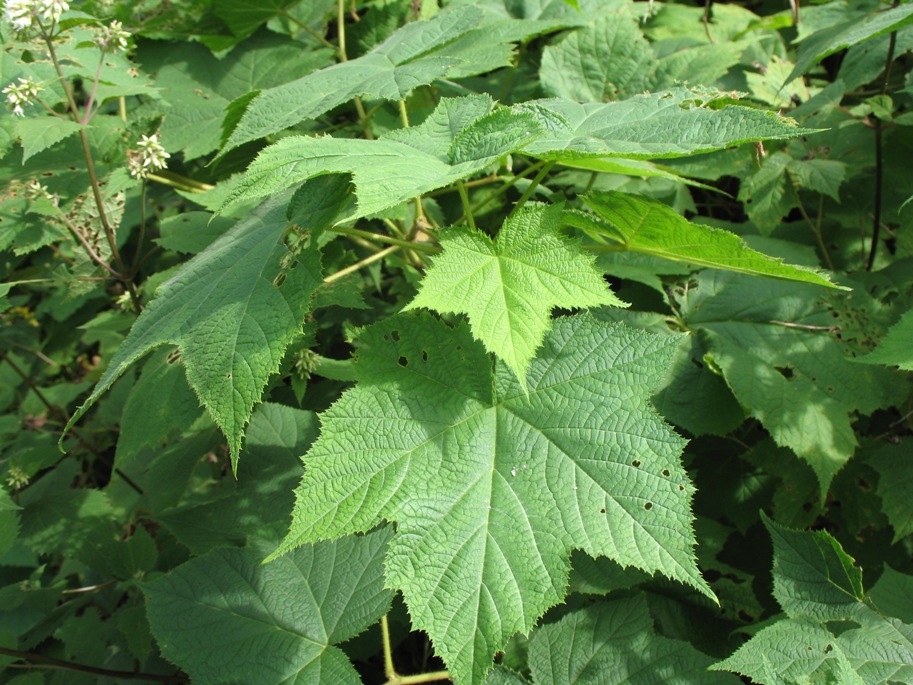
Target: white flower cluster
[21, 13]
[114, 36]
[21, 94]
[150, 157]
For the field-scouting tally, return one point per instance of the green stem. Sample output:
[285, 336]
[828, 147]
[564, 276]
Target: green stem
[344, 230]
[295, 20]
[508, 185]
[419, 678]
[93, 177]
[467, 210]
[342, 273]
[532, 187]
[389, 670]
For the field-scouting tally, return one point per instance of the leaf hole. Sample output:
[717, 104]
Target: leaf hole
[666, 473]
[402, 361]
[228, 376]
[681, 487]
[394, 335]
[279, 280]
[424, 356]
[648, 505]
[602, 511]
[785, 371]
[636, 463]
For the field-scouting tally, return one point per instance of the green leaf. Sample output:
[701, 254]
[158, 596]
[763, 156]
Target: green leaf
[893, 594]
[199, 86]
[776, 347]
[246, 16]
[508, 286]
[673, 123]
[40, 133]
[606, 60]
[228, 317]
[461, 138]
[896, 348]
[835, 38]
[613, 643]
[895, 471]
[813, 577]
[415, 55]
[766, 193]
[647, 226]
[475, 472]
[818, 175]
[225, 617]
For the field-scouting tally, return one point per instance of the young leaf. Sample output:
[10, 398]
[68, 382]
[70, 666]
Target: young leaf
[230, 314]
[895, 470]
[225, 617]
[508, 286]
[614, 643]
[640, 224]
[475, 472]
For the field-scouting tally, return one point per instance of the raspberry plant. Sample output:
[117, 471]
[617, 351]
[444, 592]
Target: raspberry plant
[494, 342]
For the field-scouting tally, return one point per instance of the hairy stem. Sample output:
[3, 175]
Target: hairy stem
[467, 209]
[532, 187]
[343, 230]
[376, 257]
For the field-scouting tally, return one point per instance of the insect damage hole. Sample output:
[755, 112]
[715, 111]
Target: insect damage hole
[648, 505]
[402, 361]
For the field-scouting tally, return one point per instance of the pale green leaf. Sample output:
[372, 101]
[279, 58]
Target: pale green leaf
[895, 480]
[461, 138]
[508, 286]
[225, 617]
[613, 643]
[647, 226]
[475, 472]
[896, 348]
[228, 317]
[775, 344]
[673, 123]
[835, 38]
[40, 133]
[813, 577]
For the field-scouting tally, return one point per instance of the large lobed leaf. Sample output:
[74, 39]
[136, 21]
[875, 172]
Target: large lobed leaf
[232, 310]
[225, 617]
[492, 487]
[508, 286]
[640, 224]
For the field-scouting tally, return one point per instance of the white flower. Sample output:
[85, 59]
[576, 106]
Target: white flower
[18, 13]
[114, 35]
[22, 93]
[150, 157]
[51, 10]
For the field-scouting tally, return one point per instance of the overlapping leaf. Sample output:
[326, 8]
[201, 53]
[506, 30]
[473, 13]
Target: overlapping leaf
[455, 43]
[774, 342]
[225, 617]
[508, 286]
[476, 473]
[896, 348]
[232, 311]
[831, 634]
[462, 137]
[640, 224]
[613, 643]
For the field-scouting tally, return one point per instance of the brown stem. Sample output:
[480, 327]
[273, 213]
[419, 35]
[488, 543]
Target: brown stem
[39, 661]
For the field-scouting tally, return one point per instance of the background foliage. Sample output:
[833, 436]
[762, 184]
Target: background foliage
[528, 341]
